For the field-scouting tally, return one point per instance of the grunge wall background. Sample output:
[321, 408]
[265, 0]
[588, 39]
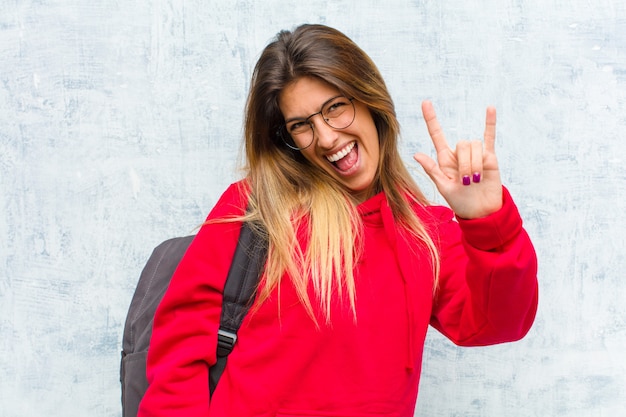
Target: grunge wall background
[120, 125]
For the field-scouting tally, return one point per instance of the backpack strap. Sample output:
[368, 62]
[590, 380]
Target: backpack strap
[239, 290]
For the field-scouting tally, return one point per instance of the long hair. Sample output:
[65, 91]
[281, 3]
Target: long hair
[312, 224]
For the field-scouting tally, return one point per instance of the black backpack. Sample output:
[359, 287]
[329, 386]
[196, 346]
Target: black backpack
[243, 276]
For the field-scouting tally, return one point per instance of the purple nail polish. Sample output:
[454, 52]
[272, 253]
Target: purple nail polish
[476, 177]
[466, 180]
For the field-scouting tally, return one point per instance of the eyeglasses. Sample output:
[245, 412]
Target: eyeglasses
[338, 113]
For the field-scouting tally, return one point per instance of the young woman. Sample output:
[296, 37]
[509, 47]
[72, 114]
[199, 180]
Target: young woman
[359, 262]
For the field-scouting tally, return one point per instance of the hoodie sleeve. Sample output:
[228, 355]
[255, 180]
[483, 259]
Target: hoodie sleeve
[184, 335]
[488, 289]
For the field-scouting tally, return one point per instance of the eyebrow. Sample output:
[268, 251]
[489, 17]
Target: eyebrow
[293, 119]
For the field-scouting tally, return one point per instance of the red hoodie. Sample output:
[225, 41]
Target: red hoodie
[285, 366]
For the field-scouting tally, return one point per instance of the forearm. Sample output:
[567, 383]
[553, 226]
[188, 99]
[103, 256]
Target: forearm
[489, 281]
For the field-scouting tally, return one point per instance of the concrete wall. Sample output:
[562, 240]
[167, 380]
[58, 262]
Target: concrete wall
[120, 124]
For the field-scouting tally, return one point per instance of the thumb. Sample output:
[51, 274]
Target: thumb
[432, 169]
[428, 164]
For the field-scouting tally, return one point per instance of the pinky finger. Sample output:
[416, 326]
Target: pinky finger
[490, 129]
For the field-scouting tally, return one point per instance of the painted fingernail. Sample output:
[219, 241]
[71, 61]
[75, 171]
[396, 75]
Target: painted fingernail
[466, 180]
[476, 177]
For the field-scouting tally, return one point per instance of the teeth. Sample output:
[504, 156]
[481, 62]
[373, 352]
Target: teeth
[336, 157]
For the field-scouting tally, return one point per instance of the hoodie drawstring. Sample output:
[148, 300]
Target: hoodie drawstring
[403, 256]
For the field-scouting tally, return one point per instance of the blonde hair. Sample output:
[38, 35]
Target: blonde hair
[312, 224]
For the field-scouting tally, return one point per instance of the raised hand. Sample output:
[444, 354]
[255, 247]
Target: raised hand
[467, 177]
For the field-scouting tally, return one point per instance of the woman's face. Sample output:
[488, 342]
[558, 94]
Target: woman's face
[350, 155]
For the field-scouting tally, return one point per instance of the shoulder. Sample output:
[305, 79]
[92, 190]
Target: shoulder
[232, 202]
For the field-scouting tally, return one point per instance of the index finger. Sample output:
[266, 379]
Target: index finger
[434, 129]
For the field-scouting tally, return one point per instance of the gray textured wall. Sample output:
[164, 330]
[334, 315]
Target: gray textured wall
[120, 124]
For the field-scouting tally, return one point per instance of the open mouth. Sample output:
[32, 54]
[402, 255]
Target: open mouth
[345, 159]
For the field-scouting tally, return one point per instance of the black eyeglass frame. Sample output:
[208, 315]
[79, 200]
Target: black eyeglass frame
[284, 135]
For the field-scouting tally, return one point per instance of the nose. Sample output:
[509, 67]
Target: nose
[324, 135]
